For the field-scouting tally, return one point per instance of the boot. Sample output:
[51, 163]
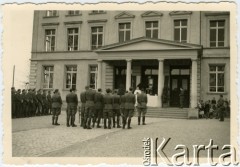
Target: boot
[114, 122]
[129, 122]
[53, 119]
[89, 123]
[68, 121]
[143, 120]
[118, 125]
[124, 123]
[82, 122]
[56, 121]
[105, 123]
[72, 121]
[139, 120]
[109, 123]
[98, 122]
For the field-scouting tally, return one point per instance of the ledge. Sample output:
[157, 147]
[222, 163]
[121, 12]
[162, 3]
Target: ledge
[45, 17]
[72, 22]
[217, 93]
[93, 13]
[97, 21]
[50, 24]
[73, 15]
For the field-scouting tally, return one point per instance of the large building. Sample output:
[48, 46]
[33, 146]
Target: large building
[160, 51]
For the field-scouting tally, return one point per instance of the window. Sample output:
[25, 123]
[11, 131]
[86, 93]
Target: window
[72, 39]
[216, 78]
[217, 33]
[151, 29]
[71, 77]
[124, 31]
[50, 40]
[97, 37]
[51, 13]
[73, 12]
[93, 76]
[48, 77]
[180, 30]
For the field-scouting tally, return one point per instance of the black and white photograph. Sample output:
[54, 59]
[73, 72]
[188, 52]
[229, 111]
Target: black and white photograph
[148, 83]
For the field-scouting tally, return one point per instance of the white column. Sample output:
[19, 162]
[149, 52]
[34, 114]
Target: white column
[99, 74]
[160, 80]
[129, 72]
[194, 84]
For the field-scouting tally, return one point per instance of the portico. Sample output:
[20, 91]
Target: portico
[148, 62]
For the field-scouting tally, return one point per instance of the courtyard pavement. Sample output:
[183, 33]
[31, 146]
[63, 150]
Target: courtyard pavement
[34, 137]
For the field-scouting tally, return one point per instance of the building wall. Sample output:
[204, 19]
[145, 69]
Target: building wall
[198, 33]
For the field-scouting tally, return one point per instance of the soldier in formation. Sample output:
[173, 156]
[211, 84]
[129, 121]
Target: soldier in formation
[111, 106]
[72, 102]
[56, 107]
[28, 103]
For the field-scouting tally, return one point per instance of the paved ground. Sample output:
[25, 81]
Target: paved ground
[37, 137]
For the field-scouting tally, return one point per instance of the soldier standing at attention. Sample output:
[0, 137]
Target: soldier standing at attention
[72, 102]
[142, 106]
[35, 102]
[56, 107]
[49, 99]
[18, 103]
[25, 103]
[30, 102]
[40, 102]
[98, 112]
[89, 107]
[83, 102]
[116, 109]
[45, 102]
[129, 108]
[13, 101]
[108, 107]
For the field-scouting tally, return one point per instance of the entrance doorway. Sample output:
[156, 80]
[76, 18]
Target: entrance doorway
[180, 78]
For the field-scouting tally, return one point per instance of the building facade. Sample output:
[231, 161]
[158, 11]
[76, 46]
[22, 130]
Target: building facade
[160, 51]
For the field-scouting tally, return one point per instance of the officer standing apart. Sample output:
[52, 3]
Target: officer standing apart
[181, 95]
[83, 102]
[89, 107]
[116, 109]
[56, 107]
[129, 108]
[72, 102]
[142, 101]
[108, 107]
[98, 112]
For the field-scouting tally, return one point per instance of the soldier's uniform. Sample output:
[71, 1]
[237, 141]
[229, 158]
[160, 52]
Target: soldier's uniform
[108, 107]
[128, 108]
[142, 107]
[83, 102]
[49, 100]
[98, 112]
[220, 108]
[13, 102]
[35, 102]
[56, 107]
[30, 102]
[122, 106]
[18, 103]
[40, 102]
[45, 103]
[25, 103]
[72, 102]
[89, 107]
[116, 110]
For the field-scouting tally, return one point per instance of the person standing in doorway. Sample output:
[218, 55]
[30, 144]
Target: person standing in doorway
[181, 95]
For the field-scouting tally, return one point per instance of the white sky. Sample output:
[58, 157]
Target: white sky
[17, 39]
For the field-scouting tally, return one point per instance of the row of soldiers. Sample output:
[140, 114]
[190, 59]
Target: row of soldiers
[28, 103]
[95, 105]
